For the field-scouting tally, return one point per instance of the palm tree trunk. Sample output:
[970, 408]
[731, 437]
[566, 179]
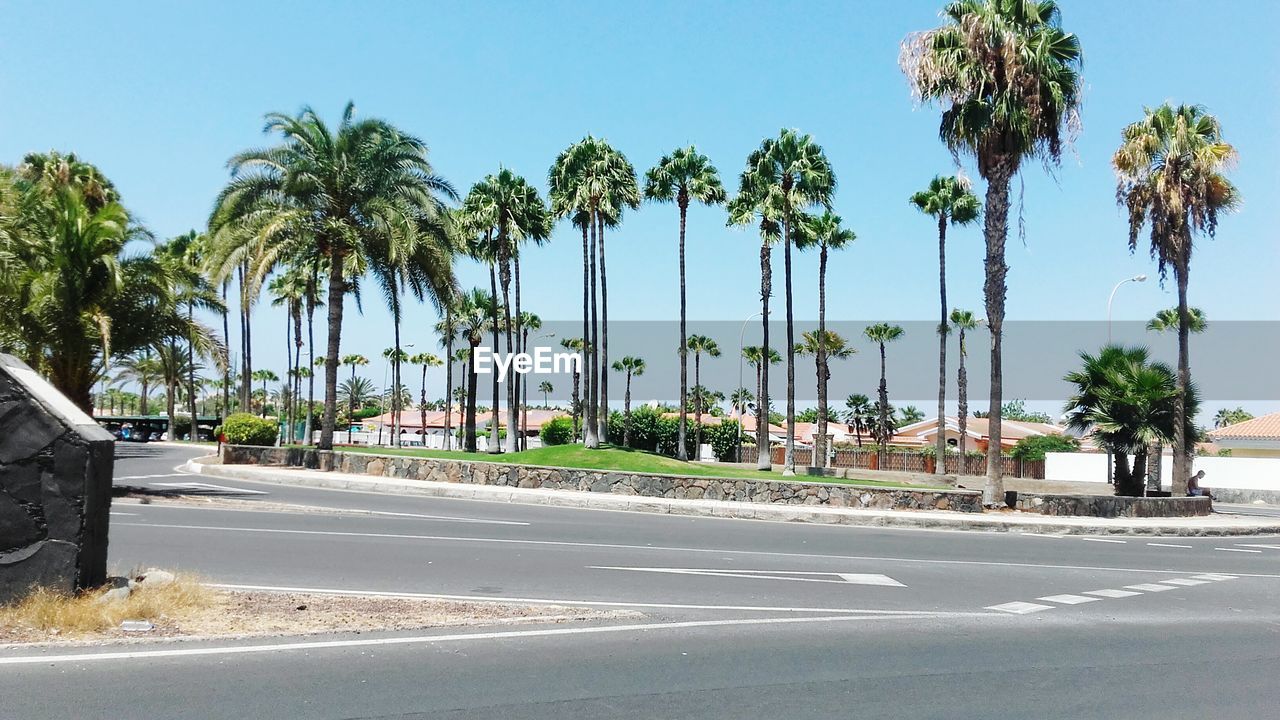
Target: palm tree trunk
[883, 432]
[591, 378]
[522, 335]
[763, 461]
[940, 449]
[288, 371]
[962, 388]
[448, 380]
[422, 407]
[337, 288]
[697, 406]
[513, 420]
[246, 339]
[226, 365]
[395, 387]
[297, 370]
[626, 409]
[996, 230]
[603, 416]
[789, 460]
[819, 453]
[494, 446]
[311, 366]
[586, 329]
[576, 401]
[191, 376]
[681, 453]
[470, 418]
[1181, 445]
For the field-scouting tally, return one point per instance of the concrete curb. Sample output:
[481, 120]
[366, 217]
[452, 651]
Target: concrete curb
[916, 519]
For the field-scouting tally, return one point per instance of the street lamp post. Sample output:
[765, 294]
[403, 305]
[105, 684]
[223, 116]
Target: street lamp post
[741, 410]
[1112, 297]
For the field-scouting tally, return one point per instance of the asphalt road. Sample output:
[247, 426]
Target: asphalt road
[741, 619]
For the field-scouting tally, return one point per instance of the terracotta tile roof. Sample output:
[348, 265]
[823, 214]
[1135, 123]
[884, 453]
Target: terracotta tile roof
[1266, 427]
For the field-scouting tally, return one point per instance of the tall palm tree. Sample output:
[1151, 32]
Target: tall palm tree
[349, 194]
[1008, 79]
[882, 334]
[793, 174]
[756, 355]
[394, 357]
[546, 388]
[1171, 169]
[357, 392]
[949, 202]
[823, 345]
[683, 176]
[265, 376]
[180, 260]
[353, 361]
[963, 321]
[144, 369]
[473, 316]
[828, 233]
[698, 345]
[632, 366]
[424, 360]
[448, 329]
[528, 323]
[575, 399]
[288, 290]
[860, 414]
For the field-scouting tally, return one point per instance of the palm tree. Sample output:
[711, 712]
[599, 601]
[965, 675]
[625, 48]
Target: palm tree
[357, 392]
[143, 369]
[528, 323]
[698, 345]
[473, 315]
[909, 415]
[753, 205]
[755, 356]
[632, 366]
[1170, 169]
[827, 232]
[964, 321]
[1225, 417]
[949, 202]
[348, 195]
[823, 345]
[265, 376]
[353, 361]
[1167, 319]
[546, 388]
[1127, 404]
[394, 357]
[1008, 79]
[682, 176]
[860, 414]
[790, 174]
[289, 289]
[882, 334]
[575, 399]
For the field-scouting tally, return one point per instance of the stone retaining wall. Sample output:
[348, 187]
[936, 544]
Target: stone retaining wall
[604, 481]
[1110, 506]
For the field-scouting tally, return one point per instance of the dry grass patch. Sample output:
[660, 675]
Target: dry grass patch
[186, 608]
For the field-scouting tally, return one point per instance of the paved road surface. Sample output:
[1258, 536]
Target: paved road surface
[741, 618]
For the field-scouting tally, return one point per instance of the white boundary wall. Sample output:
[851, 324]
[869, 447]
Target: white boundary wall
[1220, 472]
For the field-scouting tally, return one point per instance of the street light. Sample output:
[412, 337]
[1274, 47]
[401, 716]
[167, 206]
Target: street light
[1135, 278]
[741, 410]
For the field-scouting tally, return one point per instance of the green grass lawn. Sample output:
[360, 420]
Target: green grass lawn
[623, 460]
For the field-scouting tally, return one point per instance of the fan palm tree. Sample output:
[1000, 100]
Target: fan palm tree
[528, 323]
[353, 361]
[180, 261]
[265, 376]
[755, 356]
[632, 366]
[699, 345]
[910, 414]
[963, 321]
[1167, 319]
[949, 202]
[754, 206]
[1008, 79]
[424, 360]
[882, 334]
[288, 290]
[473, 315]
[823, 345]
[575, 345]
[790, 174]
[357, 392]
[448, 329]
[683, 176]
[349, 195]
[546, 388]
[1226, 416]
[391, 396]
[144, 369]
[1171, 169]
[860, 414]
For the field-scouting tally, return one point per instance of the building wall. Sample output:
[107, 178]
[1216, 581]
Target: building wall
[1235, 472]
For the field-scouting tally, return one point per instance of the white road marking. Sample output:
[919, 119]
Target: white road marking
[417, 640]
[1214, 576]
[792, 575]
[1172, 545]
[206, 487]
[1068, 599]
[594, 603]
[327, 510]
[1109, 593]
[1106, 540]
[114, 514]
[1019, 608]
[149, 477]
[1187, 582]
[1150, 587]
[668, 548]
[1237, 550]
[1268, 547]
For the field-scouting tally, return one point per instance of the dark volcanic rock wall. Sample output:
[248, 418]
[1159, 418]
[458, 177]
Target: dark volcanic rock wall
[55, 487]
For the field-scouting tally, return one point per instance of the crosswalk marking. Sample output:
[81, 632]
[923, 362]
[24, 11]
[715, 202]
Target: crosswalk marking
[1109, 593]
[1185, 581]
[1068, 599]
[1149, 587]
[1019, 608]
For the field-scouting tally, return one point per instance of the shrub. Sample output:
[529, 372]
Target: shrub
[247, 429]
[723, 439]
[557, 431]
[1034, 447]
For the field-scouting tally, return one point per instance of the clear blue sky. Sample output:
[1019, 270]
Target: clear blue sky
[159, 95]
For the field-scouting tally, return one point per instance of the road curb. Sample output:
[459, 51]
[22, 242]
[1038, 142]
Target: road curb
[911, 519]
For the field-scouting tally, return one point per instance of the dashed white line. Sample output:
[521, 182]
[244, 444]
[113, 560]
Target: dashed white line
[1149, 587]
[1186, 582]
[1109, 593]
[1237, 550]
[1019, 608]
[1268, 547]
[1105, 540]
[1068, 599]
[1170, 545]
[1214, 576]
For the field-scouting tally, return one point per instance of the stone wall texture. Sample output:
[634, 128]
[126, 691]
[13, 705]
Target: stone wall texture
[1110, 506]
[681, 487]
[55, 488]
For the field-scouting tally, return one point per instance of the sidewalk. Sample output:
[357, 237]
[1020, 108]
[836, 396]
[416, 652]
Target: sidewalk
[1214, 525]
